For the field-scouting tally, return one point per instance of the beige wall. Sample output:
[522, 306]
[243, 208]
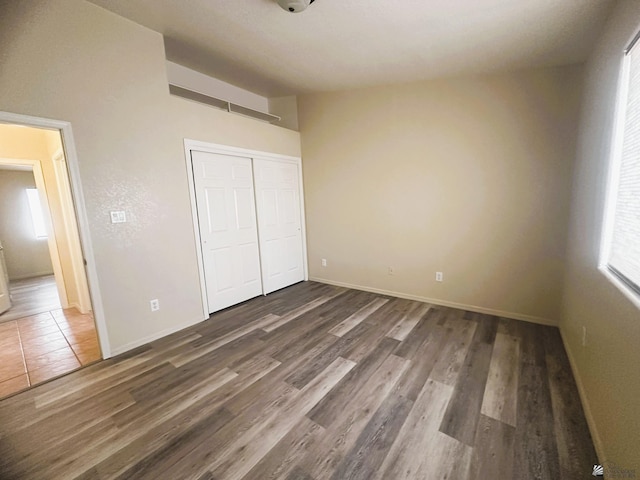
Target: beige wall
[607, 368]
[468, 176]
[71, 60]
[25, 255]
[287, 109]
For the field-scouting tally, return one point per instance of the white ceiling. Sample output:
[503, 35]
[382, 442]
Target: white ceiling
[341, 44]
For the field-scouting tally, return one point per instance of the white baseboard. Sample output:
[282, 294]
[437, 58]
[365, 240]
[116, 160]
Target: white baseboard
[153, 337]
[31, 275]
[597, 441]
[443, 303]
[77, 306]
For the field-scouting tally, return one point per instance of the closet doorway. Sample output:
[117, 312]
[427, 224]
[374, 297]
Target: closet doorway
[248, 219]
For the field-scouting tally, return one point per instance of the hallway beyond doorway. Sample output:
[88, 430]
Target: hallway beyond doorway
[31, 296]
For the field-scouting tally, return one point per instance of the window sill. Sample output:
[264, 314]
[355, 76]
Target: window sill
[620, 285]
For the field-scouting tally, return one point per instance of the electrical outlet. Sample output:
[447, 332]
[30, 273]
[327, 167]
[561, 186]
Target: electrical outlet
[584, 336]
[118, 216]
[155, 305]
[439, 277]
[390, 271]
[324, 262]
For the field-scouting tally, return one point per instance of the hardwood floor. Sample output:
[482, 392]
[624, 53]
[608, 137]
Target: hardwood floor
[313, 382]
[31, 296]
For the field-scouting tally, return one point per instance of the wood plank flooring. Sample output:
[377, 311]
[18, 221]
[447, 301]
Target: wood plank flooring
[31, 296]
[313, 382]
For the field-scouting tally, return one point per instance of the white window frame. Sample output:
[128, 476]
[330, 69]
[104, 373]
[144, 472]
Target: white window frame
[615, 162]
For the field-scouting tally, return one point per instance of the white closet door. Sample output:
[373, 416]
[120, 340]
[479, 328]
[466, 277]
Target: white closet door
[228, 228]
[279, 221]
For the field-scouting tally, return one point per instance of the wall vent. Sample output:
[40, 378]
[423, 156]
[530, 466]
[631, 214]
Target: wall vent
[222, 104]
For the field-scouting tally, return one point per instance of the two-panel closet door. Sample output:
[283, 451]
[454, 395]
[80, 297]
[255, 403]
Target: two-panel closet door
[280, 223]
[251, 242]
[228, 228]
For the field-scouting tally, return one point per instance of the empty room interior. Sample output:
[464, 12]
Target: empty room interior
[321, 239]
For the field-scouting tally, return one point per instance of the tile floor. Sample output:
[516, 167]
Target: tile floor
[43, 346]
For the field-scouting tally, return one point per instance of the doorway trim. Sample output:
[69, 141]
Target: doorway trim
[71, 229]
[71, 156]
[196, 145]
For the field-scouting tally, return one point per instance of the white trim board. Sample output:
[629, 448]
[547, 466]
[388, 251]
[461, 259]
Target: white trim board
[32, 275]
[237, 151]
[586, 407]
[196, 145]
[71, 155]
[442, 303]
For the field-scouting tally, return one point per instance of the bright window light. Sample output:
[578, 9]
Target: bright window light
[36, 213]
[623, 259]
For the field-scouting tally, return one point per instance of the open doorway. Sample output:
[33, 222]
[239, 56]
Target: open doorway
[25, 259]
[48, 328]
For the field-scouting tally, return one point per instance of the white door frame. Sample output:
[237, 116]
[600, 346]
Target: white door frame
[71, 229]
[199, 146]
[81, 214]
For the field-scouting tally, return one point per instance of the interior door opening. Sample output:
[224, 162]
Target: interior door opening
[48, 328]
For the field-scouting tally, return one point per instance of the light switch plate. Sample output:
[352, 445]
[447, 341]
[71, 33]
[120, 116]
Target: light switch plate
[118, 217]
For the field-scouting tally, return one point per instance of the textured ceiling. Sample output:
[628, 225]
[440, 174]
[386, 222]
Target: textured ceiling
[340, 44]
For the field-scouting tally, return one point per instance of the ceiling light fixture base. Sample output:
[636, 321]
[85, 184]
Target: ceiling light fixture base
[294, 6]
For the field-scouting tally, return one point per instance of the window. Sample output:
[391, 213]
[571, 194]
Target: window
[36, 213]
[623, 236]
